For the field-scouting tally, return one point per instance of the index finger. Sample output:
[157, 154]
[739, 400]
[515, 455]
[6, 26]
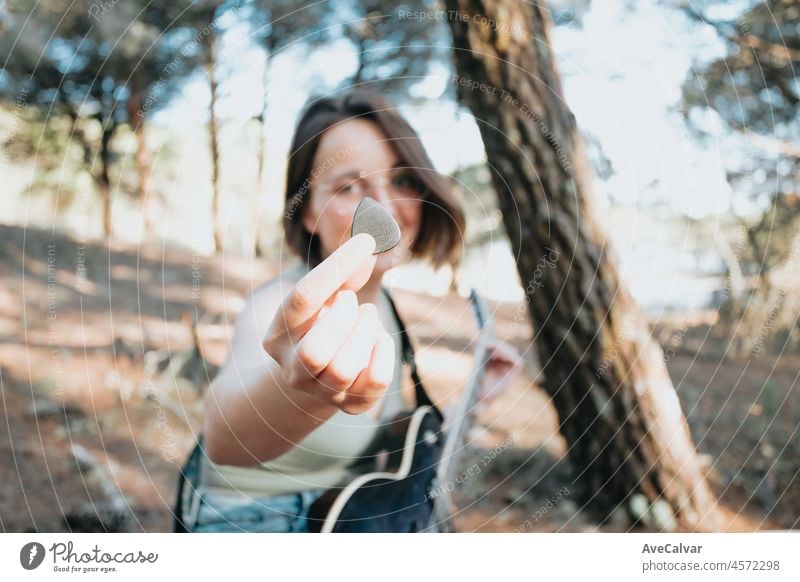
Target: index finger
[317, 286]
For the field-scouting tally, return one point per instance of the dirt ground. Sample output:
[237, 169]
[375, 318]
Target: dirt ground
[102, 384]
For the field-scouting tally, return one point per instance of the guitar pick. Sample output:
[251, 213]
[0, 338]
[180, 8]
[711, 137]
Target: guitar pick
[372, 218]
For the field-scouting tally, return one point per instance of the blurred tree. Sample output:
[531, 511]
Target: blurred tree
[279, 24]
[207, 12]
[48, 141]
[752, 90]
[101, 65]
[628, 440]
[396, 45]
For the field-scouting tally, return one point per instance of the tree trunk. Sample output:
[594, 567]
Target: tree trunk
[262, 150]
[769, 320]
[628, 441]
[92, 149]
[142, 156]
[104, 178]
[209, 45]
[734, 278]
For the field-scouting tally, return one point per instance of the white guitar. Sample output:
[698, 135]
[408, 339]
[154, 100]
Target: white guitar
[419, 460]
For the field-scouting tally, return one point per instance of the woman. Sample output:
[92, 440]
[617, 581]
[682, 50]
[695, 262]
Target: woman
[314, 366]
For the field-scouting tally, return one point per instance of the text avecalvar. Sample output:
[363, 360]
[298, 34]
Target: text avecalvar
[671, 549]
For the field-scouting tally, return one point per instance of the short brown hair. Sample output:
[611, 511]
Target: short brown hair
[442, 225]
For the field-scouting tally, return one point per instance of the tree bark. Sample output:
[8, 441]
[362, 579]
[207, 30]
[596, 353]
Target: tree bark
[142, 156]
[629, 443]
[209, 53]
[258, 251]
[104, 178]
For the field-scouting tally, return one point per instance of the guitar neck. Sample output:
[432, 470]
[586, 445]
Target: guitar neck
[463, 413]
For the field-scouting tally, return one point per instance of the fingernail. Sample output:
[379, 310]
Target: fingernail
[366, 241]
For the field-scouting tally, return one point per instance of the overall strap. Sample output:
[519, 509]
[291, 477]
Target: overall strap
[420, 395]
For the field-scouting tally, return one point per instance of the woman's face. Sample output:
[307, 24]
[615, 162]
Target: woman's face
[354, 159]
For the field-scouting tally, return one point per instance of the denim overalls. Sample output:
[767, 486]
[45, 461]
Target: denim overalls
[199, 510]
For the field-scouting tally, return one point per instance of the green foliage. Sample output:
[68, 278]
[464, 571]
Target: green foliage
[85, 69]
[58, 162]
[753, 90]
[770, 399]
[394, 51]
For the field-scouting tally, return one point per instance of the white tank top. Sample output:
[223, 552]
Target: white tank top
[323, 457]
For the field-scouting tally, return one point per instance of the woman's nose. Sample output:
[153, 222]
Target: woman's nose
[382, 194]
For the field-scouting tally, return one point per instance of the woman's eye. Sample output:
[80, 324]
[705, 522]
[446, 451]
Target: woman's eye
[403, 182]
[346, 189]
